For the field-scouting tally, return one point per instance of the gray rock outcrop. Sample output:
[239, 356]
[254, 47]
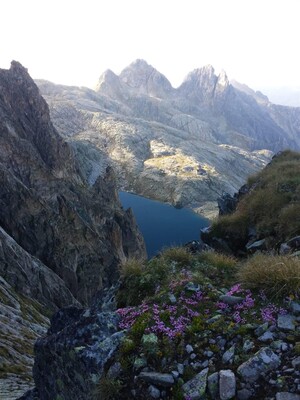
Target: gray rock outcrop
[81, 233]
[60, 240]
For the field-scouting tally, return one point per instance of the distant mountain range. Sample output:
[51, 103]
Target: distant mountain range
[184, 146]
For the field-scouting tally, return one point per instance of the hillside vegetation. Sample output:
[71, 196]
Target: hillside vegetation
[270, 209]
[190, 317]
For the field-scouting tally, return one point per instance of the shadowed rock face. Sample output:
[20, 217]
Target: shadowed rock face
[81, 233]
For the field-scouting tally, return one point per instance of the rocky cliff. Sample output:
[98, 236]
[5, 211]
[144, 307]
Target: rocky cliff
[60, 241]
[80, 233]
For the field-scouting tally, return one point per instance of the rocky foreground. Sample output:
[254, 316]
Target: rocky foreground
[183, 331]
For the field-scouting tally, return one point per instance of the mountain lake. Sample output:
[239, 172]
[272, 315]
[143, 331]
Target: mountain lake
[163, 225]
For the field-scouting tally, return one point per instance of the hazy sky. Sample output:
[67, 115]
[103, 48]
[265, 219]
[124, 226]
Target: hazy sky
[74, 41]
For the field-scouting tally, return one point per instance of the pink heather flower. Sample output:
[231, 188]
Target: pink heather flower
[262, 295]
[222, 305]
[237, 318]
[282, 311]
[235, 289]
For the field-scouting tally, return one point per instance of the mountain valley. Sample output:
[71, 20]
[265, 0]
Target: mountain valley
[183, 146]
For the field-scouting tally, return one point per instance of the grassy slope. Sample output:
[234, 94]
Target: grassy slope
[272, 206]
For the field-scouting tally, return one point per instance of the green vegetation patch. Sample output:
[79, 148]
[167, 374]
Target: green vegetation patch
[272, 206]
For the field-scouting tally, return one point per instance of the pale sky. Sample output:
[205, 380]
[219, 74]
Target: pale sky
[73, 41]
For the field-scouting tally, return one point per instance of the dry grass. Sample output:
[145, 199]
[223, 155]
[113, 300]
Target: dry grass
[277, 275]
[178, 254]
[218, 260]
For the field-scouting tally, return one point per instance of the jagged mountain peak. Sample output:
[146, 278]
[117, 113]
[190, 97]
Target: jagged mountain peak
[223, 78]
[109, 83]
[203, 84]
[138, 65]
[206, 76]
[145, 79]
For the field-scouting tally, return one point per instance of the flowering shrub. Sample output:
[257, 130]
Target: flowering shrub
[172, 320]
[270, 313]
[165, 319]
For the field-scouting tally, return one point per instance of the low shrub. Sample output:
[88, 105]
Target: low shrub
[140, 281]
[108, 389]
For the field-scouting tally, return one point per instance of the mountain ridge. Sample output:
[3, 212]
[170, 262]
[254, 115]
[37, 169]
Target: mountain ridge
[206, 124]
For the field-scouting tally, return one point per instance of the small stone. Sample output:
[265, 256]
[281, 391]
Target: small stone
[284, 346]
[154, 392]
[149, 340]
[180, 368]
[286, 322]
[227, 384]
[276, 345]
[196, 365]
[196, 387]
[258, 245]
[175, 374]
[264, 360]
[287, 396]
[189, 349]
[205, 363]
[213, 385]
[266, 337]
[228, 355]
[284, 249]
[114, 371]
[193, 356]
[157, 378]
[221, 343]
[172, 298]
[248, 345]
[231, 300]
[244, 394]
[214, 319]
[289, 370]
[295, 307]
[296, 362]
[192, 287]
[261, 329]
[139, 363]
[209, 353]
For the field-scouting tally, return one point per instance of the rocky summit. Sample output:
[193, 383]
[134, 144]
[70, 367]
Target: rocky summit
[185, 146]
[61, 241]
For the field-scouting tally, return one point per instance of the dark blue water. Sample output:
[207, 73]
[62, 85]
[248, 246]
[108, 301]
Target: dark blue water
[161, 224]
